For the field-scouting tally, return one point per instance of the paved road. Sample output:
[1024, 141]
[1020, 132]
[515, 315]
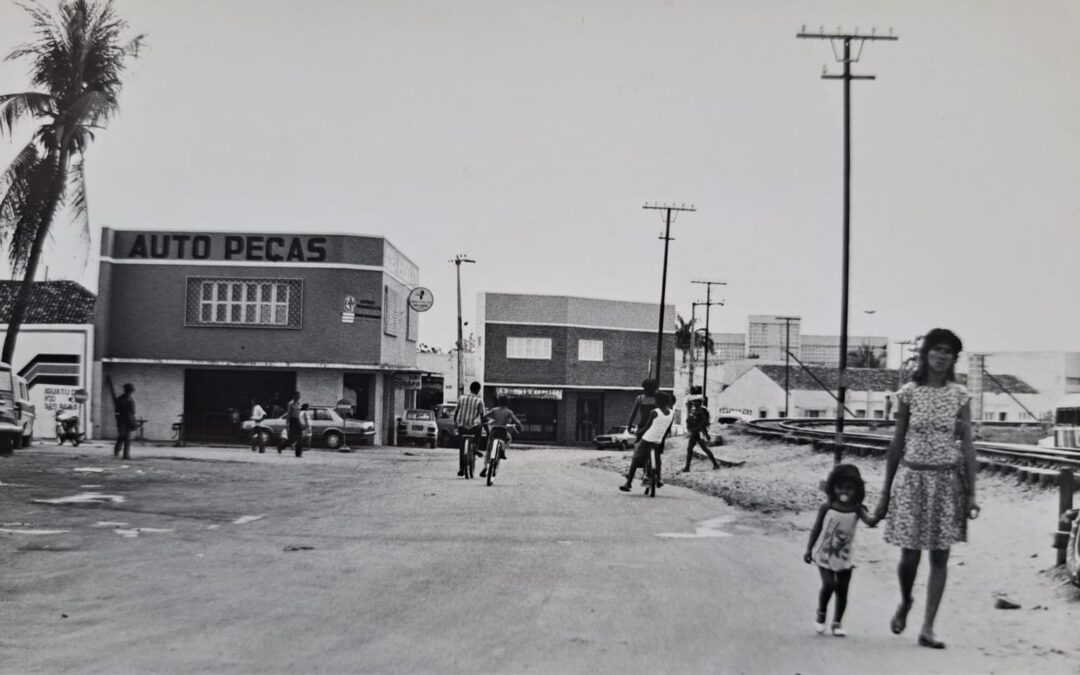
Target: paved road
[414, 570]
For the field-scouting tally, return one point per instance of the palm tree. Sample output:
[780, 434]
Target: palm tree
[703, 341]
[864, 356]
[76, 61]
[684, 332]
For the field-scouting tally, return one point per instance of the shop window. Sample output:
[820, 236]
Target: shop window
[528, 348]
[590, 350]
[252, 303]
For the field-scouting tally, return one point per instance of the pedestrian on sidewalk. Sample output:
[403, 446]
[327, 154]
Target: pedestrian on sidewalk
[305, 426]
[831, 540]
[294, 430]
[929, 490]
[697, 424]
[125, 421]
[469, 420]
[651, 435]
[258, 430]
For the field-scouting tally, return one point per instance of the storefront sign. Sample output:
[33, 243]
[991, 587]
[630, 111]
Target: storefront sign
[407, 381]
[60, 398]
[529, 392]
[228, 247]
[348, 312]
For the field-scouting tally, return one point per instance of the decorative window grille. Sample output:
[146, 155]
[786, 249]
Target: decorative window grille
[528, 348]
[590, 350]
[242, 302]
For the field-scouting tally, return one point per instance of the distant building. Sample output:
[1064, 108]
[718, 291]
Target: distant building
[1055, 374]
[571, 366]
[759, 391]
[55, 348]
[439, 382]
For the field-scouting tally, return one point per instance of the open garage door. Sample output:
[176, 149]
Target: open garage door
[213, 399]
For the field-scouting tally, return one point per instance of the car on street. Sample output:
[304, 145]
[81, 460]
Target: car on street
[616, 437]
[25, 411]
[417, 426]
[444, 418]
[11, 431]
[328, 429]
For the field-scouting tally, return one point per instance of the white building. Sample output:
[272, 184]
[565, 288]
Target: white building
[1053, 374]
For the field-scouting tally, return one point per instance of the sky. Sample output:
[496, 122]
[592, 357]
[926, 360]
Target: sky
[529, 135]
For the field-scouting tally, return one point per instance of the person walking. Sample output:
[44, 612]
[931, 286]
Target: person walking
[125, 421]
[258, 431]
[929, 488]
[294, 430]
[469, 420]
[697, 423]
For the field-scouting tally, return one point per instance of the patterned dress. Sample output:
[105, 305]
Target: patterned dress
[927, 510]
[832, 550]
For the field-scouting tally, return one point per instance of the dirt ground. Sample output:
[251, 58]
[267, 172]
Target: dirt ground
[1008, 554]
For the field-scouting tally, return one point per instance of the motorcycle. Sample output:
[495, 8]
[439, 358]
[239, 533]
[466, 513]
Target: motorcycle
[67, 427]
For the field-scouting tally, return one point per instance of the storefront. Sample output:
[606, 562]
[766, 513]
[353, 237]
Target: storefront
[204, 323]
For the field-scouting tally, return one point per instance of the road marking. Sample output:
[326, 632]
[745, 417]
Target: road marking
[247, 519]
[83, 498]
[10, 531]
[706, 529]
[133, 533]
[109, 523]
[88, 469]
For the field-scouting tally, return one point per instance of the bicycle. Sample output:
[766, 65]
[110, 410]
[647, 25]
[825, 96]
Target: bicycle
[652, 477]
[467, 454]
[496, 446]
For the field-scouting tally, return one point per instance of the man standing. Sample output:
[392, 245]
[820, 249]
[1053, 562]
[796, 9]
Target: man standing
[469, 420]
[258, 431]
[294, 428]
[125, 421]
[697, 423]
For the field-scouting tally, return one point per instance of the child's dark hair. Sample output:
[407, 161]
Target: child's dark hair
[663, 398]
[650, 386]
[502, 401]
[846, 473]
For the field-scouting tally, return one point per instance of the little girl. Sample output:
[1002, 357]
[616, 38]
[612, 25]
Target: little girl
[831, 539]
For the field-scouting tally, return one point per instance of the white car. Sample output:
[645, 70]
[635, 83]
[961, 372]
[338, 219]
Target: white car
[616, 437]
[417, 426]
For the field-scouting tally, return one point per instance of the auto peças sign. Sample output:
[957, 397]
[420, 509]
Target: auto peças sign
[261, 248]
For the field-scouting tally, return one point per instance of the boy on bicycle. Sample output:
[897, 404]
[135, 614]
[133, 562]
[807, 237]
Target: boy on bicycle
[499, 419]
[651, 435]
[469, 420]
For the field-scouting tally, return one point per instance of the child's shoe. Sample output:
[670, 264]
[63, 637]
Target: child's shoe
[819, 622]
[837, 629]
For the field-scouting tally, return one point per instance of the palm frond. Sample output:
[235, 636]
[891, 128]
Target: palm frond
[78, 202]
[15, 108]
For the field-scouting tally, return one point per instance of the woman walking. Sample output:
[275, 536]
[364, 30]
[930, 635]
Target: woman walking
[929, 489]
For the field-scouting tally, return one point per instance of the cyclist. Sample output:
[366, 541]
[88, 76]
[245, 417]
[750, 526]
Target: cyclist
[651, 434]
[644, 404]
[469, 420]
[500, 418]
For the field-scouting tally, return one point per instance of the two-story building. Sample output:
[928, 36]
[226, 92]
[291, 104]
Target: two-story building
[571, 366]
[203, 322]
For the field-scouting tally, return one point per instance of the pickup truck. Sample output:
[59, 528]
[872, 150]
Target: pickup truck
[11, 430]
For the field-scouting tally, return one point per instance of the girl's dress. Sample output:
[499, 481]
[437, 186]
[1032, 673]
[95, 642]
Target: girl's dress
[927, 509]
[832, 550]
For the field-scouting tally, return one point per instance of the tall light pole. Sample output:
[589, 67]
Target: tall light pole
[844, 40]
[708, 305]
[458, 259]
[669, 208]
[787, 361]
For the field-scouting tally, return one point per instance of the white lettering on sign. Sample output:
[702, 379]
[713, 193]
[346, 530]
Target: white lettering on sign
[59, 398]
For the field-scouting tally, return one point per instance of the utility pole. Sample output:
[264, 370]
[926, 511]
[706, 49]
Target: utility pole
[787, 361]
[458, 259]
[708, 305]
[837, 40]
[669, 208]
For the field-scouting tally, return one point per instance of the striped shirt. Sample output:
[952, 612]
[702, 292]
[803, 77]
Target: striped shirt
[470, 411]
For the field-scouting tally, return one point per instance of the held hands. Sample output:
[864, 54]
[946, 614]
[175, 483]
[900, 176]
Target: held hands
[973, 508]
[807, 558]
[880, 512]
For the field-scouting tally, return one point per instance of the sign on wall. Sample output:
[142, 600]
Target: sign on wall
[529, 392]
[421, 299]
[408, 381]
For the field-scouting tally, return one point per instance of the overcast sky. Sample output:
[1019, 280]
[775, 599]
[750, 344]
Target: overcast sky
[529, 134]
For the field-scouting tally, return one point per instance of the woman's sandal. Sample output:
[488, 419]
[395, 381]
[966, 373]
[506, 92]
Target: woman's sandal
[899, 620]
[930, 641]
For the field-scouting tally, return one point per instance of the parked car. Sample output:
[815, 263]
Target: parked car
[11, 431]
[417, 426]
[328, 429]
[616, 437]
[444, 419]
[24, 411]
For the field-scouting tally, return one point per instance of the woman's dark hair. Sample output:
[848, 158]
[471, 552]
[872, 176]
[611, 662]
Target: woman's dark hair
[503, 401]
[650, 386]
[846, 473]
[938, 336]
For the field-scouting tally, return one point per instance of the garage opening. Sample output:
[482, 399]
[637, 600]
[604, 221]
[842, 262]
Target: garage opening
[216, 401]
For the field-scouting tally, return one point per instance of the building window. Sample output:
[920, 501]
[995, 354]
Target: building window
[412, 325]
[1002, 416]
[528, 348]
[814, 413]
[391, 311]
[859, 412]
[879, 414]
[250, 303]
[590, 350]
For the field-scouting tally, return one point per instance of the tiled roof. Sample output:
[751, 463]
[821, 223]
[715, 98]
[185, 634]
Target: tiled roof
[50, 302]
[874, 379]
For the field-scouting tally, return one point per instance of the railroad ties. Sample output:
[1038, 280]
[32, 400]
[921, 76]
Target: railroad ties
[1031, 464]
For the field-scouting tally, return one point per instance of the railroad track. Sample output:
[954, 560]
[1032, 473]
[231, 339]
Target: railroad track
[1030, 463]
